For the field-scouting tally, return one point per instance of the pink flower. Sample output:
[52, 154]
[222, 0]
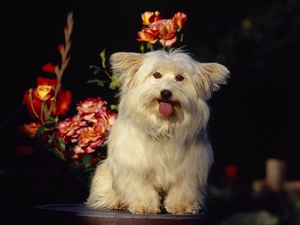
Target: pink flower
[168, 42]
[89, 139]
[90, 107]
[69, 129]
[107, 118]
[88, 127]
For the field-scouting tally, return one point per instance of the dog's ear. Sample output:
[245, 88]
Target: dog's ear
[125, 65]
[216, 74]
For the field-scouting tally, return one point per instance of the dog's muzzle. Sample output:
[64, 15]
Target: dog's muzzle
[165, 105]
[165, 94]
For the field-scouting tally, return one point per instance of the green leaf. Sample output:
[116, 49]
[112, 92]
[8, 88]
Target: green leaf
[57, 71]
[103, 58]
[40, 131]
[30, 94]
[86, 160]
[89, 169]
[142, 48]
[50, 121]
[115, 82]
[74, 168]
[96, 69]
[56, 119]
[114, 107]
[99, 82]
[61, 145]
[51, 139]
[59, 155]
[92, 81]
[117, 95]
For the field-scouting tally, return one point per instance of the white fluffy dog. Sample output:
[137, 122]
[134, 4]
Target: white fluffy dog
[159, 155]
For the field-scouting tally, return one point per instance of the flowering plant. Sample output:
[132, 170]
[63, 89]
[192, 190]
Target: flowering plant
[161, 30]
[155, 32]
[79, 140]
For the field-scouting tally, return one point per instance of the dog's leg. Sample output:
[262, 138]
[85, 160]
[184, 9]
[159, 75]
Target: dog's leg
[137, 192]
[187, 195]
[102, 195]
[183, 199]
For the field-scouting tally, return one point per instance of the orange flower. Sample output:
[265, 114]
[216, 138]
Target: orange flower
[44, 92]
[34, 99]
[147, 35]
[166, 31]
[166, 28]
[150, 17]
[92, 136]
[179, 19]
[29, 129]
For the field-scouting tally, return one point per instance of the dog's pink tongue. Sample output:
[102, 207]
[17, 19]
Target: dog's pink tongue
[165, 108]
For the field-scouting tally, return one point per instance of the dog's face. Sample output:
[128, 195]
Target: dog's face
[166, 87]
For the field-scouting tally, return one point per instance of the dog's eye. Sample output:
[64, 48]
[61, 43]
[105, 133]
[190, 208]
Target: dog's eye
[157, 75]
[179, 78]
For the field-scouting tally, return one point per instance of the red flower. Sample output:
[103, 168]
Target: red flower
[63, 102]
[24, 150]
[179, 19]
[46, 81]
[34, 99]
[60, 47]
[231, 170]
[50, 68]
[147, 35]
[166, 28]
[166, 31]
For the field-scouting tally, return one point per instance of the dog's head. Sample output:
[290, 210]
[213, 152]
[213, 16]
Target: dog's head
[166, 86]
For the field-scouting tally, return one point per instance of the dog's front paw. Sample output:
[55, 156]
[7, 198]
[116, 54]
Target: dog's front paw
[183, 207]
[143, 209]
[120, 206]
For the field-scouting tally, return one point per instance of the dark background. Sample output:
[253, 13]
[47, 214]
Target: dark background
[254, 117]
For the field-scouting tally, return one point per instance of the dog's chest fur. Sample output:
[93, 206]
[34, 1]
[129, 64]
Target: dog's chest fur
[159, 161]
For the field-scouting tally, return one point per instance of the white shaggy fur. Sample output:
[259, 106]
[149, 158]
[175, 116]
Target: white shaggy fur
[158, 159]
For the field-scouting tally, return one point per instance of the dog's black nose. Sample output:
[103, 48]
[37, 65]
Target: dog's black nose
[166, 94]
